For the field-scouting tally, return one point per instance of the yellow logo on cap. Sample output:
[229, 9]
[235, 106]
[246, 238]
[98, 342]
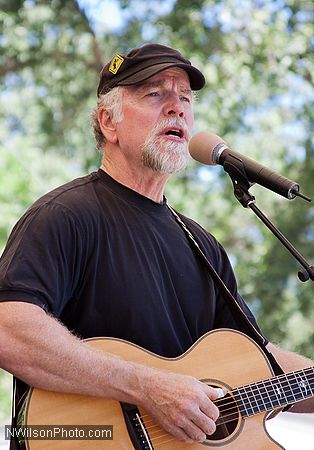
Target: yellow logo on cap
[115, 64]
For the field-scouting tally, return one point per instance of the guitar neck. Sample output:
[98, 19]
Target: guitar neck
[275, 392]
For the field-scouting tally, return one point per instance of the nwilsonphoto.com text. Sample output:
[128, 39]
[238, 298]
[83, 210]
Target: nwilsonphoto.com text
[59, 432]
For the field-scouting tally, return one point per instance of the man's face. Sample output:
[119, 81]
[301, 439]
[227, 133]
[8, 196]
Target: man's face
[157, 121]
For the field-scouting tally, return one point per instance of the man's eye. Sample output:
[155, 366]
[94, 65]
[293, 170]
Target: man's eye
[153, 94]
[185, 99]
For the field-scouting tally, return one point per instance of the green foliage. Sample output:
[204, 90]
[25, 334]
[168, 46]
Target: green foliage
[256, 57]
[5, 396]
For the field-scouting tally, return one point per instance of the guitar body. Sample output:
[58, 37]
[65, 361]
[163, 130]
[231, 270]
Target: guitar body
[220, 358]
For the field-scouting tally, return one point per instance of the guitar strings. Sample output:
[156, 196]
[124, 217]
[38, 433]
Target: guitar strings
[229, 415]
[234, 409]
[251, 396]
[256, 388]
[227, 412]
[154, 434]
[155, 438]
[294, 387]
[220, 421]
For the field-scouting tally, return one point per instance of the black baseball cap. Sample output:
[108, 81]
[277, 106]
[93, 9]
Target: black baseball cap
[142, 63]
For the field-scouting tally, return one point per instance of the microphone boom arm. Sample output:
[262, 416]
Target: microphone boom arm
[241, 187]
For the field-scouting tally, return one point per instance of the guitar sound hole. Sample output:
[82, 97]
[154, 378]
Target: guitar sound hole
[228, 418]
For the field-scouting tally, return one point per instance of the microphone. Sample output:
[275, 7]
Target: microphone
[210, 149]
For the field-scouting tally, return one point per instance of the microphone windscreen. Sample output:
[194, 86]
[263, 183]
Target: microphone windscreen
[201, 147]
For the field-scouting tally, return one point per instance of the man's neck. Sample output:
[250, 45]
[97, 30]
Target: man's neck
[146, 182]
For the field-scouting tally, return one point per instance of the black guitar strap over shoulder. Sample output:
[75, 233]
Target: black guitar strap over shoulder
[246, 325]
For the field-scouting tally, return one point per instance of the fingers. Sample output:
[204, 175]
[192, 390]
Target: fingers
[190, 430]
[188, 422]
[205, 423]
[215, 393]
[195, 431]
[181, 404]
[198, 420]
[208, 407]
[220, 393]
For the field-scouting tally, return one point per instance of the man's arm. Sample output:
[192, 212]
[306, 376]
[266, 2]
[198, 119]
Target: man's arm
[289, 362]
[42, 352]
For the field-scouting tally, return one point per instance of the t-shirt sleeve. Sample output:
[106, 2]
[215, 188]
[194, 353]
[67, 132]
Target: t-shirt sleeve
[42, 259]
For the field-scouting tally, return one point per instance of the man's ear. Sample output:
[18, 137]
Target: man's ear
[107, 125]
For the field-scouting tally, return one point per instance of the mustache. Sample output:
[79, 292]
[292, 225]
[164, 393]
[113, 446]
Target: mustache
[175, 122]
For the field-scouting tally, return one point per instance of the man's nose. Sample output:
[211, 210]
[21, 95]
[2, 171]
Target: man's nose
[173, 106]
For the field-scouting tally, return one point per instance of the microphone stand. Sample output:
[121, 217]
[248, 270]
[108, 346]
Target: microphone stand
[241, 187]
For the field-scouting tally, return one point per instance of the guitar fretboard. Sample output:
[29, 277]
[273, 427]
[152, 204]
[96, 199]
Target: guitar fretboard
[275, 392]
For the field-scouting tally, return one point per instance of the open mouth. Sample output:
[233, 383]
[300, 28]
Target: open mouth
[174, 132]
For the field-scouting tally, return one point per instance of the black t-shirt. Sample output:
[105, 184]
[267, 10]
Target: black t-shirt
[108, 261]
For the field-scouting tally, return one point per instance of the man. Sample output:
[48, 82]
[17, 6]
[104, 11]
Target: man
[104, 256]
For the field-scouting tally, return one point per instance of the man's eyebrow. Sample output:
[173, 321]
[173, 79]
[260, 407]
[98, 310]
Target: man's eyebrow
[157, 83]
[148, 83]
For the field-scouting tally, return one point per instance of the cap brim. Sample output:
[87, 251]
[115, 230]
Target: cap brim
[197, 80]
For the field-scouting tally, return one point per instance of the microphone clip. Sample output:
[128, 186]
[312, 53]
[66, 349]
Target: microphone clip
[241, 184]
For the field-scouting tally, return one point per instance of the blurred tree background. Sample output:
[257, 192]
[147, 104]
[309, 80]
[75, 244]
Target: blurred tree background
[256, 56]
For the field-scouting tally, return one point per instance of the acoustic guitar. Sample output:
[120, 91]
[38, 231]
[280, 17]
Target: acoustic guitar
[221, 358]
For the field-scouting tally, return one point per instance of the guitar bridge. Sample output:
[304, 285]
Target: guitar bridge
[136, 428]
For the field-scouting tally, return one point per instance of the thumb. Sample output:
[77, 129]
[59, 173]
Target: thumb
[219, 393]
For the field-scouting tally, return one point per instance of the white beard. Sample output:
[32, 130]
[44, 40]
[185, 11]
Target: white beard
[165, 156]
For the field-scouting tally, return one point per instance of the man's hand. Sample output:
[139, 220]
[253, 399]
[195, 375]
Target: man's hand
[181, 404]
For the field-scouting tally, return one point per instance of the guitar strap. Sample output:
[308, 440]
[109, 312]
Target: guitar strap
[246, 325]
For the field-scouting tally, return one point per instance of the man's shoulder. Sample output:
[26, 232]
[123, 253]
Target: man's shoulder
[74, 202]
[197, 228]
[69, 194]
